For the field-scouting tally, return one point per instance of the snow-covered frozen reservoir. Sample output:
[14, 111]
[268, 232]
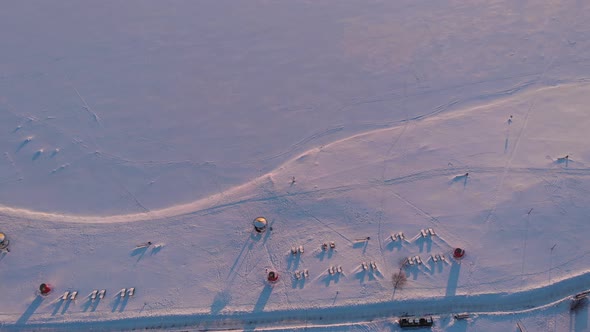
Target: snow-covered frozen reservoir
[460, 125]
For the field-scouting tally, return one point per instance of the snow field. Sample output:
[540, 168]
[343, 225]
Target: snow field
[344, 191]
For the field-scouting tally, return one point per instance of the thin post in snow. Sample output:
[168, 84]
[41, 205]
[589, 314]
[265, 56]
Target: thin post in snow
[551, 261]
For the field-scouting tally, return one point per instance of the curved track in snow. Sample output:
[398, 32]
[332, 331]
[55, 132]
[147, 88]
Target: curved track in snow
[519, 301]
[240, 194]
[212, 202]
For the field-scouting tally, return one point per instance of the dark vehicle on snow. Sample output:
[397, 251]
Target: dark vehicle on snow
[409, 322]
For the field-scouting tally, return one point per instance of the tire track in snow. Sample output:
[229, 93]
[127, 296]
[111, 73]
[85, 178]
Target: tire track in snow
[392, 145]
[86, 107]
[321, 222]
[194, 207]
[518, 138]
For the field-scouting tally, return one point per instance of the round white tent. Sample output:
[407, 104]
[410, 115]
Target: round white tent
[260, 224]
[3, 241]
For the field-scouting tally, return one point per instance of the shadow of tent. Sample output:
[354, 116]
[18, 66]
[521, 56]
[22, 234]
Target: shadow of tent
[240, 259]
[30, 310]
[453, 279]
[263, 298]
[579, 316]
[220, 301]
[255, 236]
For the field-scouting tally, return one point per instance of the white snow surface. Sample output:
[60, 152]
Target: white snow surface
[122, 123]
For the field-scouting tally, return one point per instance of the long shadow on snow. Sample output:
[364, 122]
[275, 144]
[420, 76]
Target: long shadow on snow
[453, 279]
[328, 278]
[139, 252]
[220, 301]
[298, 283]
[119, 302]
[422, 242]
[65, 307]
[30, 310]
[579, 318]
[454, 325]
[487, 302]
[394, 245]
[293, 261]
[461, 179]
[361, 244]
[56, 307]
[155, 250]
[435, 267]
[90, 304]
[328, 253]
[267, 233]
[563, 161]
[360, 275]
[263, 299]
[248, 244]
[22, 145]
[415, 270]
[123, 303]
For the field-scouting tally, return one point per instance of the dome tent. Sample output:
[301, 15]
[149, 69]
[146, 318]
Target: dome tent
[272, 276]
[260, 224]
[3, 241]
[45, 289]
[458, 253]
